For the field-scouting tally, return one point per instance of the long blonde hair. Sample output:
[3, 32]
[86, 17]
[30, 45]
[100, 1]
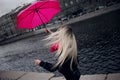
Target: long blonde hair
[67, 45]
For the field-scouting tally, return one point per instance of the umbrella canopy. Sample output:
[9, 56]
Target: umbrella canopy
[37, 14]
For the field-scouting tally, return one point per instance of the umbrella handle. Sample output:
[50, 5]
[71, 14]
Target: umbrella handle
[48, 30]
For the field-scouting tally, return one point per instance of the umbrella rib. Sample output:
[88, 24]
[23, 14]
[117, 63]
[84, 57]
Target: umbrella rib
[43, 15]
[40, 18]
[27, 15]
[43, 4]
[35, 6]
[49, 7]
[32, 17]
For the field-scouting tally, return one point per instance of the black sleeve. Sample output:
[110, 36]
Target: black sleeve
[48, 66]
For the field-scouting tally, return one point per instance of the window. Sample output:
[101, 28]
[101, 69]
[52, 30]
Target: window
[71, 2]
[77, 0]
[66, 4]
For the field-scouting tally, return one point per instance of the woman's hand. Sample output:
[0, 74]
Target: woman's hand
[48, 30]
[37, 61]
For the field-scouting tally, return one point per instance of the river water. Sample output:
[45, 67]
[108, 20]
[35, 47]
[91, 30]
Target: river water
[98, 48]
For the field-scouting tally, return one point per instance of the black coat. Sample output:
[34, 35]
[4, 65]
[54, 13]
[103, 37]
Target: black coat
[69, 74]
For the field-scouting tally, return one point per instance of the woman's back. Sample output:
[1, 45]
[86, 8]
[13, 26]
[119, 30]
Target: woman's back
[66, 53]
[70, 74]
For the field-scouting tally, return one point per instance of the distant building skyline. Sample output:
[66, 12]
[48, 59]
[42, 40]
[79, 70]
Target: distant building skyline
[8, 5]
[69, 10]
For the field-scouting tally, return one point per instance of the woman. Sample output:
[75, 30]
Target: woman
[67, 62]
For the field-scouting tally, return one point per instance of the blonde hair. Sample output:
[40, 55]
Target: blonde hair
[67, 45]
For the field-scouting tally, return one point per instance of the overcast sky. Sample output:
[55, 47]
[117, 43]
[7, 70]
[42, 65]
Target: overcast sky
[7, 5]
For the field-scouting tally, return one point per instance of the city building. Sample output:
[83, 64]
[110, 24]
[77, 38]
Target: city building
[74, 7]
[69, 9]
[8, 24]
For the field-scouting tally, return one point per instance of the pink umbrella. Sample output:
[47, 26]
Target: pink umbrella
[37, 14]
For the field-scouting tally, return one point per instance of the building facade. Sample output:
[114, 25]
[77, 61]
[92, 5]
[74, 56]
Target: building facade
[7, 27]
[69, 9]
[8, 24]
[73, 8]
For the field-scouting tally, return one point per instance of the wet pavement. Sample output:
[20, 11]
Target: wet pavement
[20, 75]
[98, 48]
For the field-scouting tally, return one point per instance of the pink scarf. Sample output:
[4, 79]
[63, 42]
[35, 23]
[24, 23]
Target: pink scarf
[54, 47]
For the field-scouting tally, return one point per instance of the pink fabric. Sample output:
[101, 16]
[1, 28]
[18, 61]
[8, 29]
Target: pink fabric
[54, 47]
[29, 18]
